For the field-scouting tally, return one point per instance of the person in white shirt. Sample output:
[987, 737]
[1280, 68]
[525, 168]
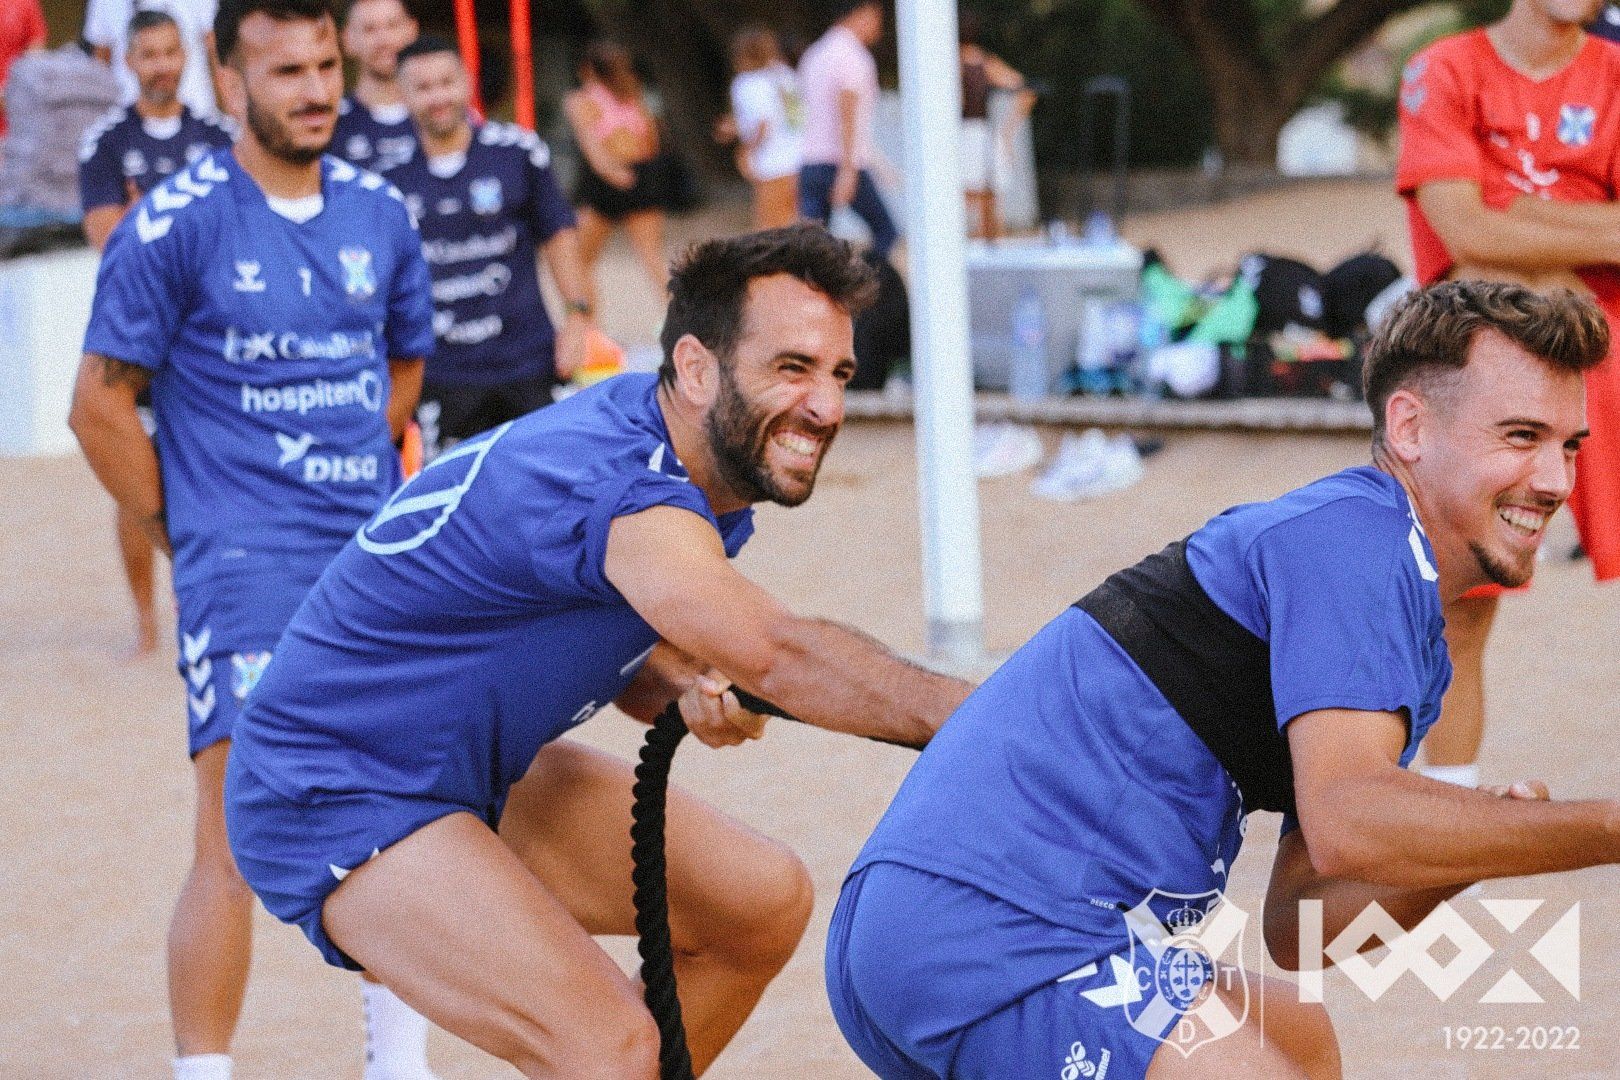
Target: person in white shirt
[769, 116]
[106, 28]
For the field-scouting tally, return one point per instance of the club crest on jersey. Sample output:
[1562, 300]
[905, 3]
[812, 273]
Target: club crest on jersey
[246, 667]
[358, 280]
[134, 163]
[1576, 124]
[485, 195]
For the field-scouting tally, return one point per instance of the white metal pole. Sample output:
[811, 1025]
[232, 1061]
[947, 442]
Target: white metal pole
[931, 103]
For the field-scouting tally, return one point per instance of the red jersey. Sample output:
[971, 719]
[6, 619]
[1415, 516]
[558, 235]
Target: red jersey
[22, 26]
[1467, 115]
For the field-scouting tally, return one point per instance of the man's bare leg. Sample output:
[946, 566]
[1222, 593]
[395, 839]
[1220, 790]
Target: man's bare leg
[1297, 1042]
[1454, 741]
[136, 549]
[738, 901]
[211, 935]
[464, 932]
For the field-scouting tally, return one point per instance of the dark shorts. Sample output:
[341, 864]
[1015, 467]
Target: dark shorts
[977, 989]
[294, 853]
[447, 414]
[651, 191]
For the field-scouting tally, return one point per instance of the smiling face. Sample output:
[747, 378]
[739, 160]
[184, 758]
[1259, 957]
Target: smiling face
[1494, 457]
[435, 88]
[285, 80]
[780, 396]
[375, 32]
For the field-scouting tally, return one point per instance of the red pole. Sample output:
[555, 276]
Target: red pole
[523, 65]
[467, 33]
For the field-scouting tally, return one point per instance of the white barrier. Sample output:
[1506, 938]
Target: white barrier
[44, 307]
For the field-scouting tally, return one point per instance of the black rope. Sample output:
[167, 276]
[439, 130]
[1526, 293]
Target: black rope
[652, 893]
[647, 874]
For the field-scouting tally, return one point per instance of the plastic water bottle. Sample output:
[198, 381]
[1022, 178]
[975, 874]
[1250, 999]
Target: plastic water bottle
[1027, 378]
[1099, 229]
[1151, 335]
[1094, 351]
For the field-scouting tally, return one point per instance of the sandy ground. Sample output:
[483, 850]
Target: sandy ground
[95, 836]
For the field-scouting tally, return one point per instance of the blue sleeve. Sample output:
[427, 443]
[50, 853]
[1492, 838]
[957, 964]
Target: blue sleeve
[101, 179]
[594, 511]
[410, 298]
[1345, 611]
[549, 212]
[143, 288]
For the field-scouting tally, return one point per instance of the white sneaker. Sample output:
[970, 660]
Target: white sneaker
[1003, 449]
[1090, 465]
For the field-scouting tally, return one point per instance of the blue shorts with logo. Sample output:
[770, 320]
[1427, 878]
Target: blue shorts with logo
[294, 852]
[228, 627]
[930, 979]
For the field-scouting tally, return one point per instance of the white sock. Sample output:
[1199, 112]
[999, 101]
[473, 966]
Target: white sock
[396, 1036]
[1461, 775]
[203, 1067]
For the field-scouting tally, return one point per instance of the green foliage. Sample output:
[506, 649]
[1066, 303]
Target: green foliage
[1063, 44]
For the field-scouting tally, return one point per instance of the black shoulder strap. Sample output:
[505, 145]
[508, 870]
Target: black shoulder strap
[1211, 669]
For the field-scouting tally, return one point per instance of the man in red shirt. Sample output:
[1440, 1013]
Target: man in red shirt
[1510, 165]
[22, 28]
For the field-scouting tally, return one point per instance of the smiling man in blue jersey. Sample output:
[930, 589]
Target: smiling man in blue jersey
[485, 200]
[276, 303]
[374, 129]
[1070, 829]
[127, 154]
[399, 789]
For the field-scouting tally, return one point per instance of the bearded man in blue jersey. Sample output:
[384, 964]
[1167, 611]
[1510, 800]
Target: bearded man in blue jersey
[275, 301]
[398, 788]
[1070, 829]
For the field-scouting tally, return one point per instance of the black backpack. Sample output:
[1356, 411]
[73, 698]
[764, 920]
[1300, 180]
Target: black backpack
[1350, 287]
[1287, 290]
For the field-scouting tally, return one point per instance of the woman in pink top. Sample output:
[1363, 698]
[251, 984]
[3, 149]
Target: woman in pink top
[622, 183]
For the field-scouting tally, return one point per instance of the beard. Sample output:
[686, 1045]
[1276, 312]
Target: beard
[1501, 573]
[738, 436]
[274, 137]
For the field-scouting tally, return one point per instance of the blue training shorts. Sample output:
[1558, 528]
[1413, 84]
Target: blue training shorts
[293, 853]
[931, 979]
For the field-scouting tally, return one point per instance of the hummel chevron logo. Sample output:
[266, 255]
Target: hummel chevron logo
[164, 200]
[199, 674]
[340, 873]
[293, 449]
[342, 171]
[152, 229]
[209, 172]
[195, 648]
[202, 707]
[184, 182]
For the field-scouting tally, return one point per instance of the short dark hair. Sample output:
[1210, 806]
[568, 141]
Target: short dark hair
[709, 285]
[427, 45]
[845, 8]
[228, 20]
[147, 19]
[1427, 336]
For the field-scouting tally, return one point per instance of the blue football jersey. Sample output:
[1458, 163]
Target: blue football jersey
[269, 343]
[122, 149]
[470, 622]
[1068, 786]
[480, 228]
[362, 139]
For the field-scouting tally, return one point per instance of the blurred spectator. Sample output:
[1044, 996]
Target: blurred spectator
[52, 98]
[625, 181]
[981, 148]
[128, 153]
[134, 148]
[769, 115]
[374, 130]
[22, 28]
[839, 79]
[106, 26]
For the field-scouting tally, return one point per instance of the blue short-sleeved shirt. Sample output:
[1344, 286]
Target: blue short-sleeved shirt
[122, 149]
[364, 138]
[269, 343]
[480, 227]
[1067, 786]
[470, 622]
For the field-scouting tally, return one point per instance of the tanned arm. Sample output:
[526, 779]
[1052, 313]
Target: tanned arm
[405, 390]
[120, 453]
